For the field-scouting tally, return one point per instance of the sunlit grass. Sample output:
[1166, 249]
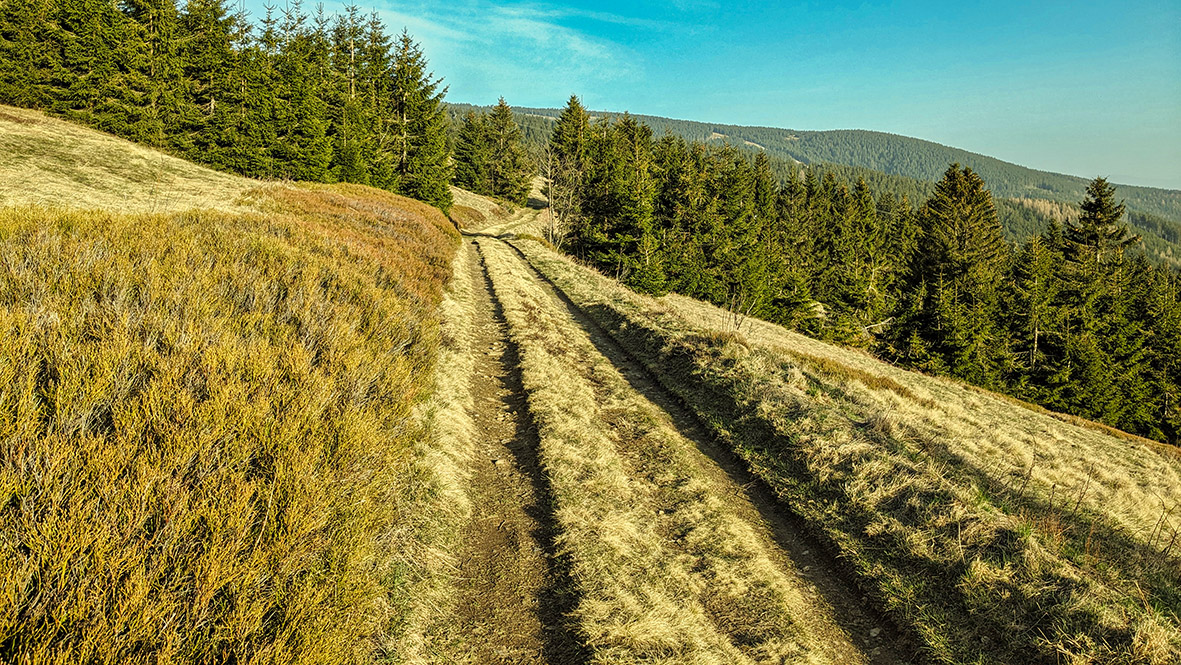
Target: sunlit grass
[206, 444]
[995, 532]
[48, 161]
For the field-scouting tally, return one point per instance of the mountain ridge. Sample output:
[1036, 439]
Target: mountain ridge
[903, 165]
[801, 137]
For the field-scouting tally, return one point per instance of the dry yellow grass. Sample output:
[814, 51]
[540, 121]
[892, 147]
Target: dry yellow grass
[208, 450]
[207, 441]
[504, 220]
[666, 572]
[47, 161]
[465, 217]
[997, 533]
[483, 205]
[443, 469]
[1131, 480]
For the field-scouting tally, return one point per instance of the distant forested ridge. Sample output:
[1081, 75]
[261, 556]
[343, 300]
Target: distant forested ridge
[1073, 318]
[907, 166]
[296, 96]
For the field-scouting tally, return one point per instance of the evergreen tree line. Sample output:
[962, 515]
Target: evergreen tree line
[489, 156]
[306, 97]
[893, 155]
[1073, 319]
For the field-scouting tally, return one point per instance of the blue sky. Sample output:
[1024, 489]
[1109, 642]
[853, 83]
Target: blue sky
[1086, 88]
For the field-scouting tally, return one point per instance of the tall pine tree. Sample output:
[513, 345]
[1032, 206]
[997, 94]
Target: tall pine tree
[509, 170]
[418, 136]
[473, 156]
[960, 259]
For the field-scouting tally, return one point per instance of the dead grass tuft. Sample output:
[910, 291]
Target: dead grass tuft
[724, 338]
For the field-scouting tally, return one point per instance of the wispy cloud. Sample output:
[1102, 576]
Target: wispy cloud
[482, 47]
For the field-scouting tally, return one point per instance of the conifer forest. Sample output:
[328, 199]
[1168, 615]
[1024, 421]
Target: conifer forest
[1075, 319]
[300, 95]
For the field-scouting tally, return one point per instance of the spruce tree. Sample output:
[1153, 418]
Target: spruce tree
[420, 154]
[959, 262]
[207, 56]
[1096, 347]
[30, 53]
[1033, 309]
[1164, 353]
[160, 29]
[565, 167]
[375, 87]
[1100, 235]
[508, 167]
[635, 235]
[248, 131]
[99, 75]
[473, 156]
[350, 128]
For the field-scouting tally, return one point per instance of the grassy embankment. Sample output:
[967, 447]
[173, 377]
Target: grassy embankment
[996, 533]
[445, 468]
[664, 571]
[208, 450]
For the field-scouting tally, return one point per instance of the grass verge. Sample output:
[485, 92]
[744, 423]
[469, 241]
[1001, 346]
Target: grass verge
[207, 449]
[442, 468]
[995, 533]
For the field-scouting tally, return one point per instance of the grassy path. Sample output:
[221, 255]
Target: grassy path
[672, 559]
[839, 609]
[511, 609]
[503, 600]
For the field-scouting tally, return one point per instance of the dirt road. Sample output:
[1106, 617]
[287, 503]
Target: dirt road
[607, 525]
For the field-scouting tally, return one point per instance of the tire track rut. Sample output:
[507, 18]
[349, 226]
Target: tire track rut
[514, 595]
[873, 635]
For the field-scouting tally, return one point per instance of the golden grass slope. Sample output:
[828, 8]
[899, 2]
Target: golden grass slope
[47, 161]
[442, 473]
[996, 533]
[208, 450]
[1129, 479]
[665, 570]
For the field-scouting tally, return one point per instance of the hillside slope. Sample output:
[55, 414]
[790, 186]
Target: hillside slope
[48, 161]
[208, 441]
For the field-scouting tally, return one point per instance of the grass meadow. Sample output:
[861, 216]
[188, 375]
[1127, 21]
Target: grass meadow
[995, 533]
[48, 161]
[208, 446]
